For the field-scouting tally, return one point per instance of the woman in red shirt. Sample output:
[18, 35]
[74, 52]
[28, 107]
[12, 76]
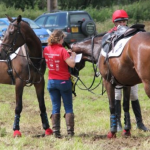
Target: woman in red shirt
[59, 83]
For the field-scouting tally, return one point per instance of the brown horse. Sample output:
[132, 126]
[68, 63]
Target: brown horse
[131, 68]
[27, 68]
[123, 68]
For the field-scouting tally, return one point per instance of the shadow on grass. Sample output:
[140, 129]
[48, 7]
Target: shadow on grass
[39, 136]
[92, 135]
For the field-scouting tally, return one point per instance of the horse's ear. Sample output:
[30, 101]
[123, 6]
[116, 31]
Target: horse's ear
[9, 18]
[19, 18]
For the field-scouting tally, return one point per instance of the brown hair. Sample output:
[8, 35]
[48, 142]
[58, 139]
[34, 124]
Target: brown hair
[55, 37]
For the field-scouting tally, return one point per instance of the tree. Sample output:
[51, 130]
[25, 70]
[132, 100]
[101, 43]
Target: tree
[20, 4]
[52, 5]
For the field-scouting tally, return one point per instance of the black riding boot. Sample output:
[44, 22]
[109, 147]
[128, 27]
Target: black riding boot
[127, 121]
[118, 114]
[56, 125]
[70, 123]
[137, 112]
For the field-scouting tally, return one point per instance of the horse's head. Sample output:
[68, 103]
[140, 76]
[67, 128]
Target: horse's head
[15, 36]
[90, 49]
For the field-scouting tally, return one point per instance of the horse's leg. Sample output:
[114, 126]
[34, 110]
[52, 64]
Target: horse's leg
[40, 95]
[113, 119]
[19, 90]
[126, 104]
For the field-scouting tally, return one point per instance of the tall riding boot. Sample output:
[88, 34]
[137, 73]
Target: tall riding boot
[118, 114]
[137, 112]
[56, 125]
[70, 123]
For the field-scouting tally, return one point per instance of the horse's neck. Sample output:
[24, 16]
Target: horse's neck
[35, 48]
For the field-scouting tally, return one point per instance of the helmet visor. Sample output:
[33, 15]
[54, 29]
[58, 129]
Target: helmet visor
[120, 19]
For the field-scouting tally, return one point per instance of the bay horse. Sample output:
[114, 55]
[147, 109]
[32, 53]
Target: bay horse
[123, 68]
[131, 68]
[26, 69]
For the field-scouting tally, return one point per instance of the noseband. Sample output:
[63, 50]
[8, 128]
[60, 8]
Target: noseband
[11, 46]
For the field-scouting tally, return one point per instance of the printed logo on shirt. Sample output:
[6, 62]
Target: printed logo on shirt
[57, 67]
[57, 61]
[51, 65]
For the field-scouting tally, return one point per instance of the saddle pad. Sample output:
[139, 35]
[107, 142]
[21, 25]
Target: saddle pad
[117, 49]
[12, 56]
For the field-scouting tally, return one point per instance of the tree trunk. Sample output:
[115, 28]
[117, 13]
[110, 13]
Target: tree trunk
[51, 5]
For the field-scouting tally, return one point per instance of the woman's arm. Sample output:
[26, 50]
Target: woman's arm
[71, 60]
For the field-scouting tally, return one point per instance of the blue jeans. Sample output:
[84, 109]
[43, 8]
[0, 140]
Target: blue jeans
[58, 89]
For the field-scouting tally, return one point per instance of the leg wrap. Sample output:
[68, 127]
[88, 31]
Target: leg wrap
[45, 122]
[118, 114]
[16, 122]
[113, 123]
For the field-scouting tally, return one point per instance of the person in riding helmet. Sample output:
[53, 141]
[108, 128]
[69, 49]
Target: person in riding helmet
[120, 17]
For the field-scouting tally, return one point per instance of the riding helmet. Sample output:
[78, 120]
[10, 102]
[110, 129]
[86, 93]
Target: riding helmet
[119, 15]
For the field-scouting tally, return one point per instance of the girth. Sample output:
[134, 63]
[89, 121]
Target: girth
[10, 70]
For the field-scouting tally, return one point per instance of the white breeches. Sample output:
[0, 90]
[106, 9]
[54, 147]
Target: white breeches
[133, 93]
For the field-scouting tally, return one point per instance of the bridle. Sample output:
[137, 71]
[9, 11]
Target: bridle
[11, 49]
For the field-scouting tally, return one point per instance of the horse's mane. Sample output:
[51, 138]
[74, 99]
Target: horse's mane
[97, 35]
[101, 34]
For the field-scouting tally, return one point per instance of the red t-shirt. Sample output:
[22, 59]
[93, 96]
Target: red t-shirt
[55, 56]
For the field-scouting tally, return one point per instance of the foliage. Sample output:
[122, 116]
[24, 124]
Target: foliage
[21, 4]
[25, 4]
[83, 4]
[13, 12]
[138, 11]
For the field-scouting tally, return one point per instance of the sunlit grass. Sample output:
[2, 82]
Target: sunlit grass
[91, 120]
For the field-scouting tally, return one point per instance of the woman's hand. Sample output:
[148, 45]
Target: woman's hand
[69, 51]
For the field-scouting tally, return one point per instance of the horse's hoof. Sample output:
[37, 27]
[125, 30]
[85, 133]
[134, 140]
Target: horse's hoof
[111, 135]
[126, 133]
[48, 132]
[17, 133]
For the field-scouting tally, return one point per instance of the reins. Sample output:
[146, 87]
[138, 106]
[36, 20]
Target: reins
[29, 62]
[90, 89]
[28, 83]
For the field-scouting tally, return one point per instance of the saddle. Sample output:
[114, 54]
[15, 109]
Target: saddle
[110, 39]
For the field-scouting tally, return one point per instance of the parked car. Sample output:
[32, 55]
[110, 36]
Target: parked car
[40, 32]
[77, 25]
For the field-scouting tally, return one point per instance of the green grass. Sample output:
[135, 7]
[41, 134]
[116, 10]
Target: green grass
[91, 121]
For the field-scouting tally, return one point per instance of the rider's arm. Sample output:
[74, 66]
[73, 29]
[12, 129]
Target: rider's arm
[71, 60]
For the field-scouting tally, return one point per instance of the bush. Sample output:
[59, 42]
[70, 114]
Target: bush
[137, 11]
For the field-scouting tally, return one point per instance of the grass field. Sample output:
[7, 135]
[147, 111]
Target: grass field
[91, 118]
[91, 121]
